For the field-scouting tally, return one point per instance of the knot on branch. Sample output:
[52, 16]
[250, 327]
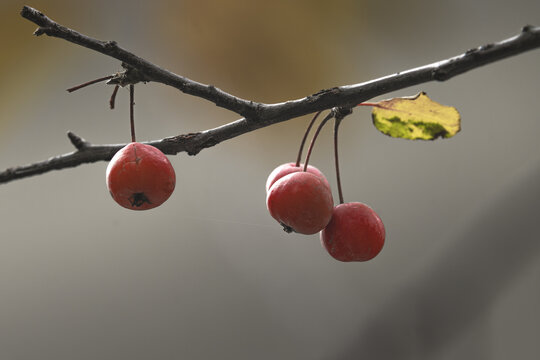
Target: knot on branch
[111, 44]
[341, 112]
[527, 28]
[130, 76]
[191, 143]
[324, 92]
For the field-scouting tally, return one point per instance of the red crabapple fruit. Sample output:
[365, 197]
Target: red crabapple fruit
[301, 201]
[289, 168]
[140, 177]
[355, 233]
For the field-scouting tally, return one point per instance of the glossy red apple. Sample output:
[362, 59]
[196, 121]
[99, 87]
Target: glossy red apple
[140, 177]
[355, 233]
[301, 201]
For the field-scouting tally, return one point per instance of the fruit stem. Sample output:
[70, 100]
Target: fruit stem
[339, 114]
[299, 157]
[377, 105]
[113, 97]
[132, 110]
[336, 157]
[368, 104]
[310, 149]
[72, 89]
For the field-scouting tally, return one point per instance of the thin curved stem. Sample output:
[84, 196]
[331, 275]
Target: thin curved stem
[303, 142]
[112, 100]
[312, 144]
[337, 122]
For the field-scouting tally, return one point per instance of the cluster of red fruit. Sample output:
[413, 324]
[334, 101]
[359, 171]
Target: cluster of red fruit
[301, 201]
[299, 197]
[141, 177]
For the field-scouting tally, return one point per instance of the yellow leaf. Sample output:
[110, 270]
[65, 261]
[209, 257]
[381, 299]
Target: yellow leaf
[416, 117]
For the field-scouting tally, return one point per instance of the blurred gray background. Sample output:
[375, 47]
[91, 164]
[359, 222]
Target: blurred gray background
[210, 274]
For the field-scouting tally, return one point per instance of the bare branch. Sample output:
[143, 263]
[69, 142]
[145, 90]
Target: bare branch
[255, 115]
[146, 70]
[88, 153]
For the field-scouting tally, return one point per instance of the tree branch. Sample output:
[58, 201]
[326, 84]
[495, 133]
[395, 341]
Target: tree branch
[255, 115]
[145, 70]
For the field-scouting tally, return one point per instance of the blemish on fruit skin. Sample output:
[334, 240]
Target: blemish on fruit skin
[137, 159]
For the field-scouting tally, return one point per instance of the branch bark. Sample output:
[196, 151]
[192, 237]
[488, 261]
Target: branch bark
[255, 115]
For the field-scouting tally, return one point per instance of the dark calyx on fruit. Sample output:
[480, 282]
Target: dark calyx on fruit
[287, 228]
[138, 199]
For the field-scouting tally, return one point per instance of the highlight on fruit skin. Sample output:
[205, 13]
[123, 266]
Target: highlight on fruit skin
[355, 233]
[301, 202]
[140, 177]
[288, 168]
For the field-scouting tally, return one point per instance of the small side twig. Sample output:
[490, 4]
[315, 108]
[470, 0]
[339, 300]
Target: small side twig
[74, 88]
[77, 141]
